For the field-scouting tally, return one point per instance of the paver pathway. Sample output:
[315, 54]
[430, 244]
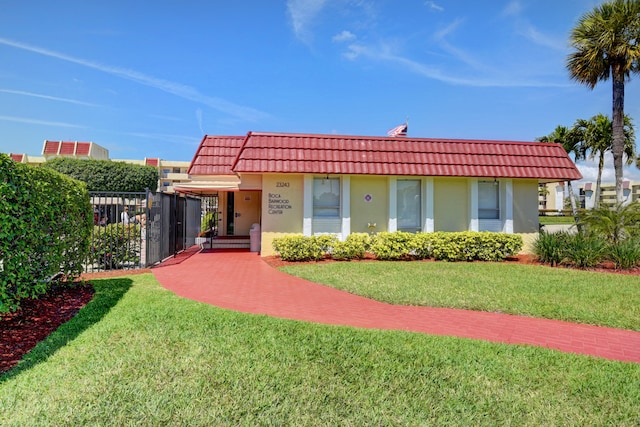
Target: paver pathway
[242, 281]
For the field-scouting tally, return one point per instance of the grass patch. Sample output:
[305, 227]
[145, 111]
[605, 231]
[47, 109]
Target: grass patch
[554, 293]
[153, 358]
[556, 219]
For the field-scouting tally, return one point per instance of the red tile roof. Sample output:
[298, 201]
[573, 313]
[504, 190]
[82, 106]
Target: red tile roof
[66, 148]
[359, 155]
[17, 157]
[51, 147]
[216, 155]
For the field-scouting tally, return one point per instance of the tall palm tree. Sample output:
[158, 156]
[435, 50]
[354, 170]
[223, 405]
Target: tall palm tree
[572, 144]
[596, 138]
[606, 42]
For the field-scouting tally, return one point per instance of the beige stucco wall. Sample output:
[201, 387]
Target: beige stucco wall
[525, 206]
[282, 208]
[369, 203]
[451, 204]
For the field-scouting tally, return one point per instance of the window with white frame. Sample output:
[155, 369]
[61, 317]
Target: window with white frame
[326, 198]
[409, 205]
[488, 200]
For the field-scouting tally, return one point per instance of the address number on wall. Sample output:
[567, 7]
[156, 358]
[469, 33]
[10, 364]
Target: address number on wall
[282, 184]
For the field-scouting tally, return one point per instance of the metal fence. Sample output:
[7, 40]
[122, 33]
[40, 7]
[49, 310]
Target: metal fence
[137, 230]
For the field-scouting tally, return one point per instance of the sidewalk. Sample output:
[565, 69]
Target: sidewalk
[242, 281]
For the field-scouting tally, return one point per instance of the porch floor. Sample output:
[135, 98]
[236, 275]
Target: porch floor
[240, 280]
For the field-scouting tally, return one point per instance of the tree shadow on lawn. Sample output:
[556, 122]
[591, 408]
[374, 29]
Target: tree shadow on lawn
[107, 294]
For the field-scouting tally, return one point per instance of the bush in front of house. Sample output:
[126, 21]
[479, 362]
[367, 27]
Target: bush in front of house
[116, 246]
[399, 245]
[302, 248]
[392, 246]
[355, 246]
[45, 225]
[474, 246]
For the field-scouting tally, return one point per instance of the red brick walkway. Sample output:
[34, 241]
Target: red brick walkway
[242, 281]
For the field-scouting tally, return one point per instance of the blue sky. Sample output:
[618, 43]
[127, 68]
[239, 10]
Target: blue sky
[149, 79]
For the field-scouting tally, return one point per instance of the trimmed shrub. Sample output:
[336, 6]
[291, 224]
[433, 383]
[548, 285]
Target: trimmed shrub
[392, 246]
[354, 247]
[45, 225]
[423, 245]
[303, 248]
[116, 246]
[474, 246]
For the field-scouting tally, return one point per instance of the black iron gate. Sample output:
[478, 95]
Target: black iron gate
[137, 230]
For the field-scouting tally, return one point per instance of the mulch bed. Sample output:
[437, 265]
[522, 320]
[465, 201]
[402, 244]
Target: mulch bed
[23, 330]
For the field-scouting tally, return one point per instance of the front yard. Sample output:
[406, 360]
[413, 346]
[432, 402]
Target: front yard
[140, 355]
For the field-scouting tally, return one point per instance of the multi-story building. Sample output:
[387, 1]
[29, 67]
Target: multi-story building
[587, 191]
[554, 197]
[170, 172]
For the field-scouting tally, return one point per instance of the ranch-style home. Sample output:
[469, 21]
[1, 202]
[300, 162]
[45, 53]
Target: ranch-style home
[313, 184]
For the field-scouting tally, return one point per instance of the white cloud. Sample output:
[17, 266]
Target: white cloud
[302, 14]
[344, 36]
[177, 89]
[51, 98]
[385, 53]
[432, 5]
[532, 34]
[39, 122]
[514, 8]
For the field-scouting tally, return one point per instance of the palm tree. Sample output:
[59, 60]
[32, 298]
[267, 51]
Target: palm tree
[596, 138]
[606, 42]
[572, 144]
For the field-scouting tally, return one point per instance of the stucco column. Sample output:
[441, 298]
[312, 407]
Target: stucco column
[508, 206]
[474, 223]
[429, 222]
[307, 206]
[346, 206]
[393, 205]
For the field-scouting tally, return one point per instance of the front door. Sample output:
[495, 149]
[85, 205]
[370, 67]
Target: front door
[246, 211]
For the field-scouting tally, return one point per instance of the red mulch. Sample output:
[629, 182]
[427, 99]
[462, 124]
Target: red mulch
[22, 330]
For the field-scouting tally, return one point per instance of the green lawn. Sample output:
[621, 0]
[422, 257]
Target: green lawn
[604, 299]
[139, 355]
[556, 219]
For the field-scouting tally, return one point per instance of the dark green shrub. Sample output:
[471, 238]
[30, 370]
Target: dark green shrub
[354, 247]
[107, 175]
[584, 250]
[45, 224]
[625, 254]
[116, 246]
[550, 248]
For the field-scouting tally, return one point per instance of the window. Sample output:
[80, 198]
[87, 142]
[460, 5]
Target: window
[409, 203]
[488, 200]
[326, 197]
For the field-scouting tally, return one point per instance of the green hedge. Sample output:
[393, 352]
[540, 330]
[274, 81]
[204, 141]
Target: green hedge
[447, 246]
[107, 175]
[45, 224]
